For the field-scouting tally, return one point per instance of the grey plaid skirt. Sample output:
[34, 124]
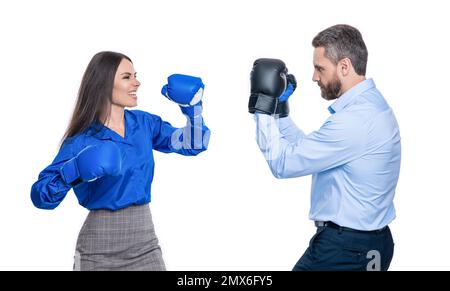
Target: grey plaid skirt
[124, 239]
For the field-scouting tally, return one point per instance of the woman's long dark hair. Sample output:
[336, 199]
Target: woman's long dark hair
[95, 91]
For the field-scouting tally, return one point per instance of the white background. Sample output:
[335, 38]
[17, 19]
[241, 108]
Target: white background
[222, 210]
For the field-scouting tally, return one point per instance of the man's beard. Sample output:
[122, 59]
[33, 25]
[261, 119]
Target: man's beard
[332, 90]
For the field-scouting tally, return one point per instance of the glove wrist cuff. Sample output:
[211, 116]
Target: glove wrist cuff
[262, 103]
[282, 109]
[70, 173]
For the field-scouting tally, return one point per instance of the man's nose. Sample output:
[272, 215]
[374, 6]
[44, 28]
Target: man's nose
[315, 77]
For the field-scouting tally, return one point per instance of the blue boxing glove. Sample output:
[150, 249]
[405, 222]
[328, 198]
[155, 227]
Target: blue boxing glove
[186, 91]
[93, 162]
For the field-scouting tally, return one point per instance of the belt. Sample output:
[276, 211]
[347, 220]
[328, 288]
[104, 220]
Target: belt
[343, 228]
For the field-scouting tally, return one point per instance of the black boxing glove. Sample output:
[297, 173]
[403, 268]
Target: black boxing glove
[268, 82]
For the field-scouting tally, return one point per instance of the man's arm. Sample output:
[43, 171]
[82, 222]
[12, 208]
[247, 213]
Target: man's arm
[290, 153]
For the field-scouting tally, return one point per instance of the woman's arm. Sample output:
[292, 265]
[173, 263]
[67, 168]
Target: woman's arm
[50, 188]
[189, 140]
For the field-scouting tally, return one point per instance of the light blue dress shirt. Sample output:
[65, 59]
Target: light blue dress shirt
[354, 158]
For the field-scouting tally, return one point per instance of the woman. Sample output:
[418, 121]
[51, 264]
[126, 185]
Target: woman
[107, 157]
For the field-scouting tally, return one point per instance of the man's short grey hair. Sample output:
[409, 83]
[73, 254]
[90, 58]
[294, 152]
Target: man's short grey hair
[343, 41]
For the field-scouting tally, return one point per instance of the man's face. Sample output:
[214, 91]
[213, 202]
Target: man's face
[325, 74]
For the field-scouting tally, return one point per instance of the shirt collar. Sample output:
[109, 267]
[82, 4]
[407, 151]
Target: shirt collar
[102, 132]
[350, 95]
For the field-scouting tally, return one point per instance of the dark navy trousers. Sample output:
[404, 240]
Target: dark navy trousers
[343, 249]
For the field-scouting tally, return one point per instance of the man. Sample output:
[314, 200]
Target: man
[354, 157]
